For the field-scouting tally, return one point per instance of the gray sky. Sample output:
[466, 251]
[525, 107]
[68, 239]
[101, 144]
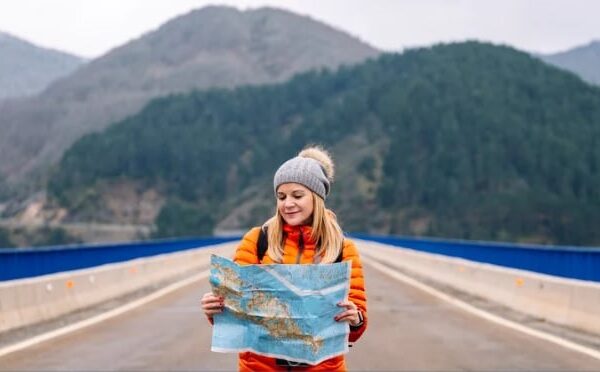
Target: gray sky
[91, 27]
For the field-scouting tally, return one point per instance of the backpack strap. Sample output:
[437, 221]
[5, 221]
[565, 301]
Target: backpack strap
[263, 244]
[341, 255]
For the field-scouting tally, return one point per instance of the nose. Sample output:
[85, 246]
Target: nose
[288, 203]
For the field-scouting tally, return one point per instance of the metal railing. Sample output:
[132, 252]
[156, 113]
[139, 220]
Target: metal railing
[564, 261]
[17, 263]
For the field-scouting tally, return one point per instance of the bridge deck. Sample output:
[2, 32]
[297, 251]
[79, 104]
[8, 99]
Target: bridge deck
[409, 330]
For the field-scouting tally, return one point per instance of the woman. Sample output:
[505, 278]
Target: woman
[302, 231]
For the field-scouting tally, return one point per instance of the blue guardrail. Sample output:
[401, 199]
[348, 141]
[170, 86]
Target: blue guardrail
[569, 262]
[17, 263]
[565, 261]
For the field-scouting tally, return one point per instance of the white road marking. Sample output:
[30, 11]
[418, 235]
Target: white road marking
[103, 316]
[481, 313]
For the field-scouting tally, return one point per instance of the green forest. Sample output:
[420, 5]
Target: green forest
[467, 140]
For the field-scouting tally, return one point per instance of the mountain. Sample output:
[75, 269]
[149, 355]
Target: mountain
[583, 61]
[465, 140]
[26, 69]
[209, 47]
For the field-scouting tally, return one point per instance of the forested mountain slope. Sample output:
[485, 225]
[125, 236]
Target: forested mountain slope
[464, 140]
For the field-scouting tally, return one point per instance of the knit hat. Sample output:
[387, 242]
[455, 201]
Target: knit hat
[312, 168]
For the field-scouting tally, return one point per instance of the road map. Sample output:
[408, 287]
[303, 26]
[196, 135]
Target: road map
[281, 311]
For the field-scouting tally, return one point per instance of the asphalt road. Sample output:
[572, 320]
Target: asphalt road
[408, 330]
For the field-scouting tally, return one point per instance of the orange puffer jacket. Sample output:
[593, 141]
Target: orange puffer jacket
[246, 254]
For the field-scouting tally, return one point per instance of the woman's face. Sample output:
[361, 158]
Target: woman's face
[295, 203]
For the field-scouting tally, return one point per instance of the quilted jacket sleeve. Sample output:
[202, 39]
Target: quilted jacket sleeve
[357, 287]
[245, 254]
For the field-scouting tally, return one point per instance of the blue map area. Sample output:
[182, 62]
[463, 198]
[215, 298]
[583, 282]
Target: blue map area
[281, 311]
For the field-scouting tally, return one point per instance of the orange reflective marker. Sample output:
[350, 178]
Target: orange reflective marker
[133, 270]
[461, 269]
[70, 284]
[519, 282]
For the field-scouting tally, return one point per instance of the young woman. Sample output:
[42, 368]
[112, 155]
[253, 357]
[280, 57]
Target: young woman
[302, 231]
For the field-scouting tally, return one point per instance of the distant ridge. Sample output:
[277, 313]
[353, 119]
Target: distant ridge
[26, 69]
[582, 60]
[210, 47]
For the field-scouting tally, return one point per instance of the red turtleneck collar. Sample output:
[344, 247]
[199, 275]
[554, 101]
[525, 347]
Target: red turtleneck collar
[293, 232]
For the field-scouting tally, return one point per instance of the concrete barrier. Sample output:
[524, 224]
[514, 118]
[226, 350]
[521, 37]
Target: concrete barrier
[24, 302]
[569, 302]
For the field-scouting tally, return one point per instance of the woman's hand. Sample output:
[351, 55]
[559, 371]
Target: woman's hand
[212, 305]
[350, 315]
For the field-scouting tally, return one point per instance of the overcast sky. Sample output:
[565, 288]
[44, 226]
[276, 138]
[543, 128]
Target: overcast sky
[90, 28]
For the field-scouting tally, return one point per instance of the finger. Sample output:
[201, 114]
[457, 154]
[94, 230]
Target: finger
[208, 300]
[347, 305]
[213, 312]
[213, 305]
[349, 319]
[346, 314]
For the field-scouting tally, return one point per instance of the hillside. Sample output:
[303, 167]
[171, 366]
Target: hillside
[209, 47]
[463, 140]
[583, 61]
[26, 69]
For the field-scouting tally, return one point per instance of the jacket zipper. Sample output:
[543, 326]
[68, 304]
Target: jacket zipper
[300, 247]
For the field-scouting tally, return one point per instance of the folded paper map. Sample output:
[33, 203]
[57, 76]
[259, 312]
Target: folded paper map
[281, 311]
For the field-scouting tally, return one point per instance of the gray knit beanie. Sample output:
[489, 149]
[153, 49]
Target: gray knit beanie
[312, 168]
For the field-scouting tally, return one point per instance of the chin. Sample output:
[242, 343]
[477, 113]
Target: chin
[297, 222]
[293, 222]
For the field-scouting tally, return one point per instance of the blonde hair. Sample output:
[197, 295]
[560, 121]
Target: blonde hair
[325, 229]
